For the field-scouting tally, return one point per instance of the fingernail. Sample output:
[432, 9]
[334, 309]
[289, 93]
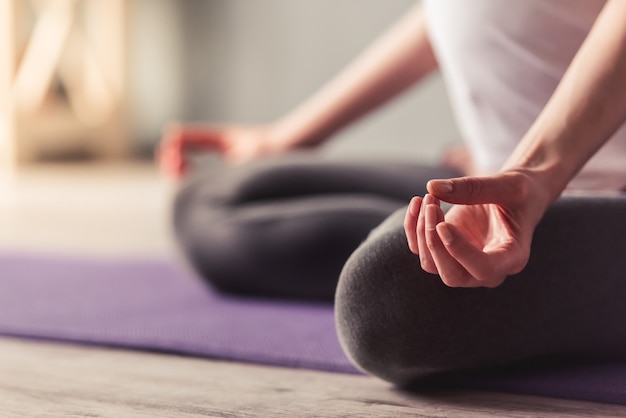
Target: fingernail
[431, 217]
[445, 233]
[413, 206]
[443, 186]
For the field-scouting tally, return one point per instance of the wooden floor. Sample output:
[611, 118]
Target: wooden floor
[43, 379]
[123, 210]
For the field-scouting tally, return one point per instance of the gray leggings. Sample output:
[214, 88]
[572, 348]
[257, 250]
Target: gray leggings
[285, 227]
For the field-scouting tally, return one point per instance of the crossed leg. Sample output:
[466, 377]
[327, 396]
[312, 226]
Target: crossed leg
[284, 227]
[399, 323]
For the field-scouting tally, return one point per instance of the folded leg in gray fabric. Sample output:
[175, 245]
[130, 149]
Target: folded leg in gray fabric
[285, 227]
[402, 324]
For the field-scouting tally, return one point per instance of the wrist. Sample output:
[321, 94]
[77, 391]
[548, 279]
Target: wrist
[541, 180]
[277, 138]
[546, 179]
[537, 185]
[283, 135]
[549, 167]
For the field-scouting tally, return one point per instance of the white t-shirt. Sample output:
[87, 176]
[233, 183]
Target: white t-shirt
[502, 60]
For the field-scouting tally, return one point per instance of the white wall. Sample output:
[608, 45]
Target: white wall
[252, 60]
[156, 65]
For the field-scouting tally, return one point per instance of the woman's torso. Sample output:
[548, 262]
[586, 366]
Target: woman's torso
[501, 61]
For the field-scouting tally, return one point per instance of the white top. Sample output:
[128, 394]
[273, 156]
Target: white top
[502, 60]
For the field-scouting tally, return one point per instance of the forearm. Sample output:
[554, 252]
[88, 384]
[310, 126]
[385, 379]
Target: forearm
[586, 109]
[394, 63]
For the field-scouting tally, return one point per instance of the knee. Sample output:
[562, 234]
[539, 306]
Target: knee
[386, 316]
[203, 236]
[186, 200]
[370, 328]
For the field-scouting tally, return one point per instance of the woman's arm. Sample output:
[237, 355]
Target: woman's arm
[488, 235]
[400, 58]
[586, 109]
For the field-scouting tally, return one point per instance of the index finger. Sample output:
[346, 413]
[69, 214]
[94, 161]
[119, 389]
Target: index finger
[487, 267]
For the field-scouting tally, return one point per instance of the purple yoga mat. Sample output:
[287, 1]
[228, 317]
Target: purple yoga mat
[159, 306]
[155, 305]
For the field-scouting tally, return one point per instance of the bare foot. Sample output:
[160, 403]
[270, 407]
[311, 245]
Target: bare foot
[459, 158]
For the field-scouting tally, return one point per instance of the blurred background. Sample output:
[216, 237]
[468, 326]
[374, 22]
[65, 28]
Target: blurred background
[86, 87]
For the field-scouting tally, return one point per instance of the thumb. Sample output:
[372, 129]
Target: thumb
[498, 188]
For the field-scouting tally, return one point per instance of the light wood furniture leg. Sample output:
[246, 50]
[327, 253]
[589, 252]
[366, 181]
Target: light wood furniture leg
[7, 69]
[63, 91]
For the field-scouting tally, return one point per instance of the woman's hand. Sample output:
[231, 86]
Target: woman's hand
[237, 144]
[486, 236]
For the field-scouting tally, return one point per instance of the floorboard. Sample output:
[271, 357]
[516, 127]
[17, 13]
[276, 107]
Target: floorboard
[58, 380]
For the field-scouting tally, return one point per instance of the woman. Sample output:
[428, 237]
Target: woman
[539, 89]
